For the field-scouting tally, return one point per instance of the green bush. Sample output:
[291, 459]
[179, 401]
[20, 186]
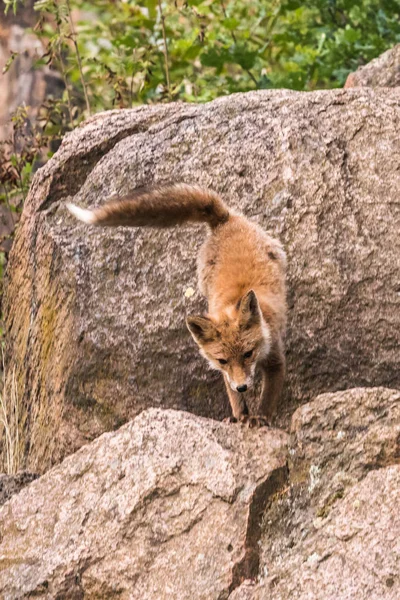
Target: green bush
[120, 53]
[213, 47]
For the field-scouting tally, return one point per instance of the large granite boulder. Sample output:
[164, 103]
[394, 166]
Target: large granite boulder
[95, 317]
[166, 507]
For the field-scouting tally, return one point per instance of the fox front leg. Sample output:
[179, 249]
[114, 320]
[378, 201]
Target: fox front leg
[238, 405]
[273, 375]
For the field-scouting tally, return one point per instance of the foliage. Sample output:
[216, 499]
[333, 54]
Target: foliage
[17, 155]
[215, 47]
[120, 53]
[26, 149]
[115, 53]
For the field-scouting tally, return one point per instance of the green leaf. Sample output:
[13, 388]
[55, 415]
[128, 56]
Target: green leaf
[151, 5]
[243, 57]
[214, 57]
[351, 35]
[231, 23]
[9, 62]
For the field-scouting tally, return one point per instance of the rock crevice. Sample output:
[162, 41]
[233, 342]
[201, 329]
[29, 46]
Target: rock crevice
[334, 530]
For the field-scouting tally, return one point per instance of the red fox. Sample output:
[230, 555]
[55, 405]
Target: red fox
[241, 272]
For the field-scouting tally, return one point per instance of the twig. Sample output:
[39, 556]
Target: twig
[73, 37]
[249, 73]
[64, 74]
[8, 203]
[165, 47]
[17, 168]
[131, 86]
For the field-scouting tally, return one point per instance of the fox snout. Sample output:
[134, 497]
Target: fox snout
[240, 384]
[240, 387]
[241, 378]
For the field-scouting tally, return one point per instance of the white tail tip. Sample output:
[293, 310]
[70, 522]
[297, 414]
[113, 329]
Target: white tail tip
[83, 214]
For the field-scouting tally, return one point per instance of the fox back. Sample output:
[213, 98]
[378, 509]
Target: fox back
[241, 272]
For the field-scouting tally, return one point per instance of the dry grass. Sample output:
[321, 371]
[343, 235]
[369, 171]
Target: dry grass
[11, 424]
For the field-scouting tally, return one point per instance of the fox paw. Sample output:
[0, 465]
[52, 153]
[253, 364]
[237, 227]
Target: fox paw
[230, 420]
[254, 421]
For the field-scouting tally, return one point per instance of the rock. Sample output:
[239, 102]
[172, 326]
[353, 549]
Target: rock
[166, 507]
[24, 88]
[334, 532]
[95, 317]
[170, 506]
[12, 484]
[24, 83]
[383, 71]
[341, 437]
[354, 555]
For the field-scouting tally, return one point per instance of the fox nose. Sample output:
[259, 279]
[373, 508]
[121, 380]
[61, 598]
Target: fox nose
[241, 388]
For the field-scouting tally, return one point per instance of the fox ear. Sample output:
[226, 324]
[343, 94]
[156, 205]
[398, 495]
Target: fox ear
[249, 309]
[202, 329]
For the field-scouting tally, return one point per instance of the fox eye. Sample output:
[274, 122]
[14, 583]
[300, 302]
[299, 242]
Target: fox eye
[222, 361]
[248, 354]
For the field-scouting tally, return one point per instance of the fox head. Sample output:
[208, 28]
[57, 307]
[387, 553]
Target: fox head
[235, 344]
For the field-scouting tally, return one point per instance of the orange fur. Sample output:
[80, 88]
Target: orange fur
[242, 274]
[237, 258]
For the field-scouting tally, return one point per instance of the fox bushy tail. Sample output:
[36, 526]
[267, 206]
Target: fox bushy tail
[158, 207]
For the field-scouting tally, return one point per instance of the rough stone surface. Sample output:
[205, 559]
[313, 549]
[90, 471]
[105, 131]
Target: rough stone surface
[166, 507]
[334, 532]
[95, 318]
[177, 506]
[354, 555]
[383, 71]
